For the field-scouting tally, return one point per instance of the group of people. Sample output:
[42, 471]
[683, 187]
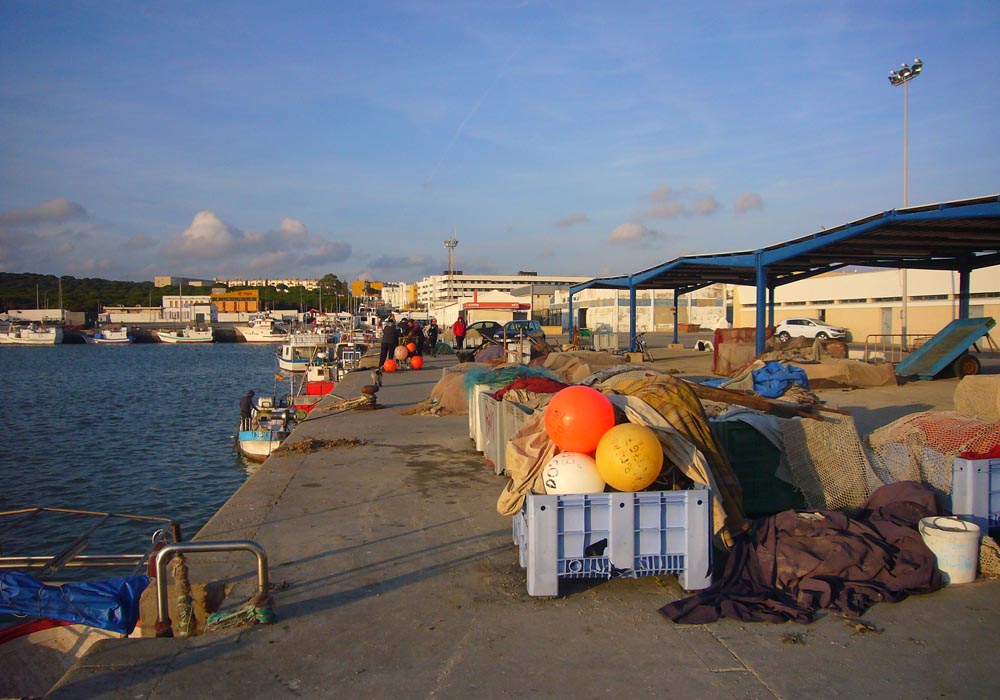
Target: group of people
[407, 331]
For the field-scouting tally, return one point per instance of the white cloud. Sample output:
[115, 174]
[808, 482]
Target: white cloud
[706, 205]
[571, 220]
[53, 211]
[666, 210]
[89, 266]
[663, 193]
[207, 237]
[632, 233]
[748, 201]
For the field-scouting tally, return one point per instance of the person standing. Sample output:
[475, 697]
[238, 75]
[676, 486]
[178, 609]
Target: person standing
[458, 328]
[432, 336]
[390, 339]
[416, 335]
[246, 410]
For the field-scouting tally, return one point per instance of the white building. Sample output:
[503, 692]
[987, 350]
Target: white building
[436, 289]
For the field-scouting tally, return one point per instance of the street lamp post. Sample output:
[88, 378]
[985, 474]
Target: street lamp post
[903, 76]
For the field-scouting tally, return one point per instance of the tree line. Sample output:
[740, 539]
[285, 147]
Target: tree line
[91, 294]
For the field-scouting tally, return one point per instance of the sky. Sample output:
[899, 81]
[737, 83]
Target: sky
[297, 139]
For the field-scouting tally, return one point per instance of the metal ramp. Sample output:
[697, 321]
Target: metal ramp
[949, 348]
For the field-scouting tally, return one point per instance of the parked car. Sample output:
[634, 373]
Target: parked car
[528, 327]
[808, 328]
[477, 333]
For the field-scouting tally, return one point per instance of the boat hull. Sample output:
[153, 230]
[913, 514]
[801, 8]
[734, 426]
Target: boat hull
[185, 337]
[257, 446]
[49, 336]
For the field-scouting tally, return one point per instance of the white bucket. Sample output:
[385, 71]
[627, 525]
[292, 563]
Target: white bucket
[955, 543]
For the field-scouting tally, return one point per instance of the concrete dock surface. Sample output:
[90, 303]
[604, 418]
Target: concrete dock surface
[395, 577]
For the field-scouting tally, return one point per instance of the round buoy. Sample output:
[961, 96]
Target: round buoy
[577, 417]
[572, 472]
[400, 353]
[389, 366]
[416, 362]
[412, 347]
[629, 457]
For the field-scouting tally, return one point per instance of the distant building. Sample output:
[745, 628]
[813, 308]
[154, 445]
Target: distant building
[286, 282]
[178, 281]
[438, 289]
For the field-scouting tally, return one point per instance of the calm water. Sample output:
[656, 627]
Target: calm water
[142, 429]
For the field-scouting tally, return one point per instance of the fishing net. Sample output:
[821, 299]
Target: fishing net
[501, 375]
[979, 395]
[828, 462]
[989, 558]
[923, 446]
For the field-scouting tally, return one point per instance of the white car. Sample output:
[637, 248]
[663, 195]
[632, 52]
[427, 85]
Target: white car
[807, 328]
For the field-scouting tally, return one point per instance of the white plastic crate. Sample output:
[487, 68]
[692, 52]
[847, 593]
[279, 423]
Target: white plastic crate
[488, 436]
[975, 491]
[512, 416]
[473, 401]
[605, 535]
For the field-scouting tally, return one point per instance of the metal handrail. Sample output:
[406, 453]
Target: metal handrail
[162, 556]
[892, 345]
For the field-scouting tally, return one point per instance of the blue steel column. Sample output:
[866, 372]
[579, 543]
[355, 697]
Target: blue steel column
[964, 291]
[770, 304]
[761, 303]
[569, 321]
[677, 311]
[631, 315]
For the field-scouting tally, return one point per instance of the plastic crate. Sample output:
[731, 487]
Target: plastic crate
[512, 416]
[755, 461]
[605, 535]
[473, 401]
[488, 436]
[975, 491]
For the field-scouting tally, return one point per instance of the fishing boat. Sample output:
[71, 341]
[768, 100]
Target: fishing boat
[263, 329]
[109, 335]
[61, 600]
[186, 335]
[267, 429]
[34, 334]
[304, 348]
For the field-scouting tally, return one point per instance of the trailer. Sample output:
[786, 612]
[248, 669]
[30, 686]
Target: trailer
[948, 350]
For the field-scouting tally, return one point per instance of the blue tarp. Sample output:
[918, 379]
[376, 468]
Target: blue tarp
[773, 379]
[111, 604]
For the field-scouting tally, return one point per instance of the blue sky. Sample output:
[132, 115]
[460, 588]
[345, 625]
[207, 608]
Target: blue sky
[297, 139]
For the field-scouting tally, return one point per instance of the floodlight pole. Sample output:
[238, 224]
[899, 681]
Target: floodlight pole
[903, 77]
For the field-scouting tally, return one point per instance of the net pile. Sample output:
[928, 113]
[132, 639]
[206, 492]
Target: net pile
[979, 395]
[828, 462]
[989, 558]
[923, 446]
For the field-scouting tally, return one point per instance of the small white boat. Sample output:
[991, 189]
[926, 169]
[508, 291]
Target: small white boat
[111, 335]
[304, 348]
[266, 431]
[263, 329]
[186, 335]
[35, 334]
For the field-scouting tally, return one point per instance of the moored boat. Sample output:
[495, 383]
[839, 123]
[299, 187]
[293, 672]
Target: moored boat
[109, 335]
[186, 335]
[263, 329]
[34, 334]
[265, 431]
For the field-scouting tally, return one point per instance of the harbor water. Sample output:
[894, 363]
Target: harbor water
[143, 429]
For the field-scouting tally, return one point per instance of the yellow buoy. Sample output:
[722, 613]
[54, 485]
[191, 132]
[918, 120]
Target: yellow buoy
[629, 457]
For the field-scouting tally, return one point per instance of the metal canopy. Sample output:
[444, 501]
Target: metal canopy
[961, 235]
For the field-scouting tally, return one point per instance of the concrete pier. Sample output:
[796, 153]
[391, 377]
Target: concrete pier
[394, 576]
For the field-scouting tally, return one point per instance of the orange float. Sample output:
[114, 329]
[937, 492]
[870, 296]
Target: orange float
[389, 366]
[412, 347]
[577, 417]
[416, 362]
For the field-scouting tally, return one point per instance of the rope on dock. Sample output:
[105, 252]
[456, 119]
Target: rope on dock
[256, 611]
[185, 607]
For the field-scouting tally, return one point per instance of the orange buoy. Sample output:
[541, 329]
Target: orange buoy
[416, 362]
[577, 417]
[629, 457]
[412, 347]
[389, 365]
